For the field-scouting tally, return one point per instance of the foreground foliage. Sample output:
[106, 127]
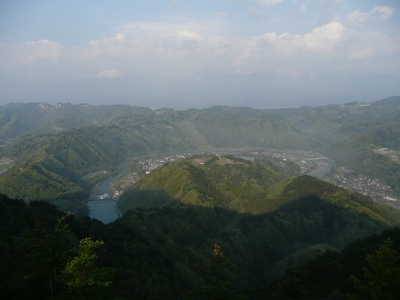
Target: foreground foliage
[178, 252]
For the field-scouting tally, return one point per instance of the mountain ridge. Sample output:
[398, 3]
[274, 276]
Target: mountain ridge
[86, 151]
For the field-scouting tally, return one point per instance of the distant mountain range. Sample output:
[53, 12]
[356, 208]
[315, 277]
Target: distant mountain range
[204, 89]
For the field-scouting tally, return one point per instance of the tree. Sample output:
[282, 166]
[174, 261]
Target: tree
[216, 286]
[82, 275]
[383, 277]
[47, 254]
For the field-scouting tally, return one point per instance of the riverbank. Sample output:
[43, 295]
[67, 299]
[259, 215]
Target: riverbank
[106, 212]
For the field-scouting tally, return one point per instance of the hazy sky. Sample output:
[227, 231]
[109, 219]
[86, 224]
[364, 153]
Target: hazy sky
[199, 53]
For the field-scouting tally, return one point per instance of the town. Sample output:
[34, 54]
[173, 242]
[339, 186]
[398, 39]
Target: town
[309, 162]
[373, 188]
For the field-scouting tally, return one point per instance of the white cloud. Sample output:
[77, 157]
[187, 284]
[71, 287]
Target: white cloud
[219, 45]
[303, 8]
[32, 51]
[43, 49]
[260, 7]
[119, 37]
[323, 38]
[320, 39]
[385, 11]
[181, 46]
[362, 54]
[356, 18]
[186, 35]
[109, 74]
[284, 43]
[267, 3]
[181, 43]
[110, 45]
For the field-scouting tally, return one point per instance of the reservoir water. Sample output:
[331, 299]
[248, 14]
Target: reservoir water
[325, 165]
[106, 211]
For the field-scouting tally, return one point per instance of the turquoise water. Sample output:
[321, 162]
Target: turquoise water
[105, 212]
[325, 166]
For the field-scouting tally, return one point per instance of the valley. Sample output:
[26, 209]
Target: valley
[308, 162]
[84, 156]
[169, 191]
[200, 150]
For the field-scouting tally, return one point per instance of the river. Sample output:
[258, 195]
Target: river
[324, 164]
[106, 212]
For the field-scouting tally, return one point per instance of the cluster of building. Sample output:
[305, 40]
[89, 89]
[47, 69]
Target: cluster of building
[372, 188]
[306, 160]
[393, 155]
[150, 164]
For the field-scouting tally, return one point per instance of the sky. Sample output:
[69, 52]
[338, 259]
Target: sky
[199, 53]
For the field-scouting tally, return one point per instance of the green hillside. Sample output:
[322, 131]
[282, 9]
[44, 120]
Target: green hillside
[180, 250]
[82, 157]
[19, 119]
[208, 181]
[334, 123]
[242, 186]
[361, 154]
[223, 127]
[62, 151]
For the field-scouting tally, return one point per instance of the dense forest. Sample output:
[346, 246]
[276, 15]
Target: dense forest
[298, 251]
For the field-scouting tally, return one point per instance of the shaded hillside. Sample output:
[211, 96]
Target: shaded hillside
[312, 281]
[252, 244]
[178, 251]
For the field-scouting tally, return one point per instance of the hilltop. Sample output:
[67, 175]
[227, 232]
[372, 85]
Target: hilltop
[59, 153]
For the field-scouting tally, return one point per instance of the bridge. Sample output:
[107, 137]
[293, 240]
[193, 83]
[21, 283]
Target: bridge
[99, 200]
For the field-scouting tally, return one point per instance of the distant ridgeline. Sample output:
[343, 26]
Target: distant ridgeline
[59, 153]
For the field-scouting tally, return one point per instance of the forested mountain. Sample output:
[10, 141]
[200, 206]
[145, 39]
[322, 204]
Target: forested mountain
[68, 164]
[190, 251]
[67, 149]
[336, 121]
[207, 227]
[361, 153]
[209, 181]
[18, 119]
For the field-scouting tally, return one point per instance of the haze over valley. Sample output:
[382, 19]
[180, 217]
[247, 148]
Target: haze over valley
[245, 149]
